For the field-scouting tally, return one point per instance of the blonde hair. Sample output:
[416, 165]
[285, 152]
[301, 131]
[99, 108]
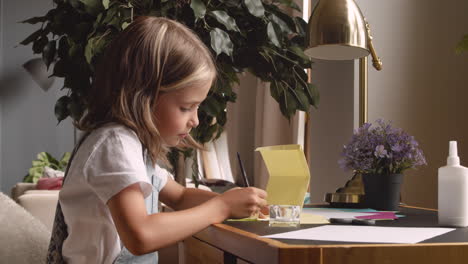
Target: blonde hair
[152, 55]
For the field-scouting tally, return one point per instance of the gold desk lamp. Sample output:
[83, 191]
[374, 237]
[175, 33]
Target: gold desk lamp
[337, 30]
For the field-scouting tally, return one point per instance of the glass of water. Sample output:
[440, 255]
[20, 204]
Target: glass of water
[285, 215]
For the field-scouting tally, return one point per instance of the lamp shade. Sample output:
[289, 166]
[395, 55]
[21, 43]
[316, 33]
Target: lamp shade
[337, 31]
[39, 72]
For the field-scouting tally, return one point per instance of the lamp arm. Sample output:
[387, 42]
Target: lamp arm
[376, 61]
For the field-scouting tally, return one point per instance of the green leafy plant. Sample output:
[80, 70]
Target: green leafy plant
[244, 35]
[43, 160]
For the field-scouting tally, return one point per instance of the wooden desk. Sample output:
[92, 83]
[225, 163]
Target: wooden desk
[241, 242]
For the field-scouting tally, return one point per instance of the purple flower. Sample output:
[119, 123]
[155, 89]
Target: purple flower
[397, 148]
[381, 149]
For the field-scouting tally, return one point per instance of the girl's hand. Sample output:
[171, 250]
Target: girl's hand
[264, 212]
[242, 202]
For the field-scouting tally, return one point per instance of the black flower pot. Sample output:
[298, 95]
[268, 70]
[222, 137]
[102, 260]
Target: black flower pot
[382, 191]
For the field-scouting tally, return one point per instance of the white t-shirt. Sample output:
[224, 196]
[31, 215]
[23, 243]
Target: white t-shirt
[109, 160]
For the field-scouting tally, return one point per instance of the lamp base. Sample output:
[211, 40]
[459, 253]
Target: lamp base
[350, 196]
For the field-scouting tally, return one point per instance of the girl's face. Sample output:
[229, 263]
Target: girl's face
[177, 112]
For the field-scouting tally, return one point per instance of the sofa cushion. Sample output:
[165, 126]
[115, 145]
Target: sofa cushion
[23, 239]
[20, 188]
[41, 204]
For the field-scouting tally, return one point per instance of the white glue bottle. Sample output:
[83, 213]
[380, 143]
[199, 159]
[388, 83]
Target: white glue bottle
[453, 191]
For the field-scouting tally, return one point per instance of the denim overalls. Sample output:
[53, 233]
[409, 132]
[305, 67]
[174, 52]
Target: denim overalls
[152, 208]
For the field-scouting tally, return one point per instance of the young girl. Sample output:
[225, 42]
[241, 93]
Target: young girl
[145, 97]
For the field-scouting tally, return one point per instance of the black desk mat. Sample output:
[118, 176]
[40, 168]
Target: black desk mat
[413, 218]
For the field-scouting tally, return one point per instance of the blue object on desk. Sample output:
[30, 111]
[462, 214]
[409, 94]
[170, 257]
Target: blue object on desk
[307, 198]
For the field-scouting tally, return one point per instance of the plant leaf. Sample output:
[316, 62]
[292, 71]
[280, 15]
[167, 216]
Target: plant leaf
[255, 7]
[302, 99]
[299, 52]
[37, 163]
[48, 54]
[232, 3]
[289, 3]
[75, 108]
[199, 8]
[32, 37]
[95, 46]
[281, 24]
[462, 45]
[110, 14]
[51, 159]
[28, 178]
[60, 68]
[75, 50]
[93, 7]
[39, 44]
[273, 34]
[105, 3]
[301, 25]
[64, 160]
[42, 156]
[313, 95]
[282, 105]
[63, 47]
[36, 173]
[125, 25]
[211, 106]
[61, 108]
[220, 42]
[75, 3]
[35, 20]
[275, 90]
[225, 19]
[292, 104]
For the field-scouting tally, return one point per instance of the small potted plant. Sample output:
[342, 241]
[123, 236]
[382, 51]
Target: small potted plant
[45, 160]
[381, 154]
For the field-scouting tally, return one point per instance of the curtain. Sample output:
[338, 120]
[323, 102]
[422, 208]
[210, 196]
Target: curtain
[255, 120]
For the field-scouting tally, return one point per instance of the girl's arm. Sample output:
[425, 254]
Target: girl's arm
[178, 197]
[142, 233]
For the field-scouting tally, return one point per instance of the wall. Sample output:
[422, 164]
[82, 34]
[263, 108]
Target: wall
[27, 122]
[331, 125]
[422, 87]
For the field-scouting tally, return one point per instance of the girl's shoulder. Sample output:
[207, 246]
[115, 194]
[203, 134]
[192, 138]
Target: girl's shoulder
[112, 133]
[110, 144]
[114, 130]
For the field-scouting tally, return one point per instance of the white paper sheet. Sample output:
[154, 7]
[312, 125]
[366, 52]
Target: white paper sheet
[369, 234]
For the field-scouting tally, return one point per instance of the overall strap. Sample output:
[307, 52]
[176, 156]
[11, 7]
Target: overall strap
[75, 149]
